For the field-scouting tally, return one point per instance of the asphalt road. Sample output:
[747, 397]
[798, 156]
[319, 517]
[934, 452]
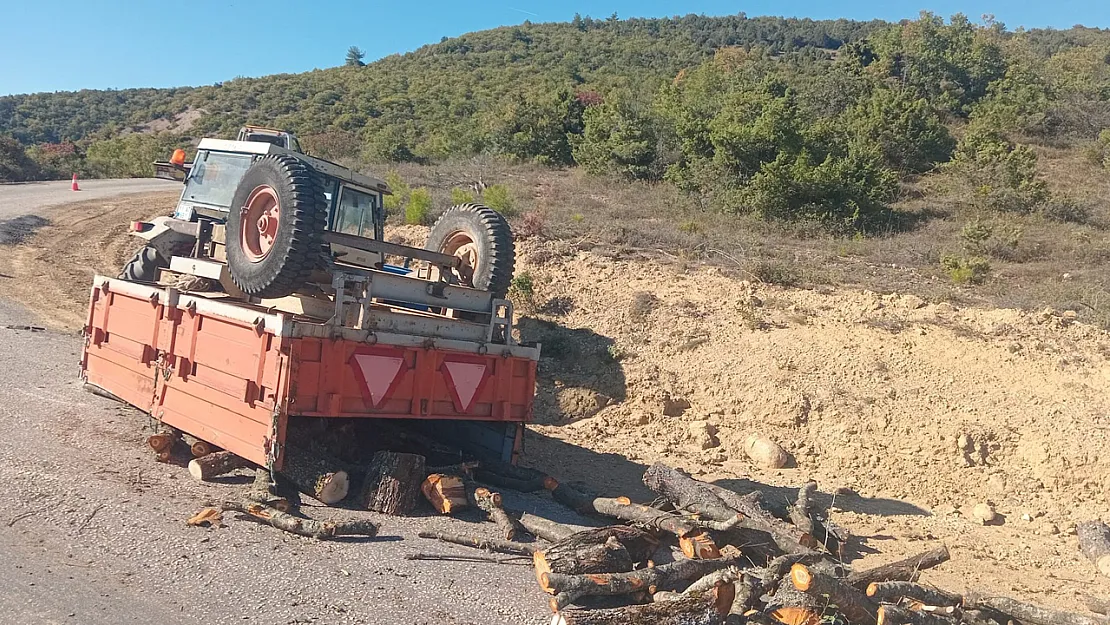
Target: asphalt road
[26, 198]
[92, 529]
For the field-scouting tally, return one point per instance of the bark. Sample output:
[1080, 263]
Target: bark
[908, 570]
[592, 551]
[490, 502]
[264, 491]
[804, 517]
[568, 588]
[707, 609]
[508, 476]
[1030, 614]
[300, 525]
[1094, 543]
[693, 540]
[201, 448]
[485, 544]
[392, 483]
[544, 528]
[894, 615]
[461, 469]
[721, 504]
[1096, 605]
[892, 592]
[446, 493]
[316, 475]
[853, 604]
[219, 463]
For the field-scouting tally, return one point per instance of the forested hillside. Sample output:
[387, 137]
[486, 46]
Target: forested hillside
[784, 118]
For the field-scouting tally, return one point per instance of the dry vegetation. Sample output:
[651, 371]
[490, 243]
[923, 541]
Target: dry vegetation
[1034, 261]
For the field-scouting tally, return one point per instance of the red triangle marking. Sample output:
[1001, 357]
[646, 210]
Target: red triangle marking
[466, 377]
[378, 372]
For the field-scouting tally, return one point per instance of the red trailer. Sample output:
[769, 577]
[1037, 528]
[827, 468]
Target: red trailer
[233, 373]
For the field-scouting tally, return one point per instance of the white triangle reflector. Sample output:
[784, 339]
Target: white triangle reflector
[378, 373]
[466, 377]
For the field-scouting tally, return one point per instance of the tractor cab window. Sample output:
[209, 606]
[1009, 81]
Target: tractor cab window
[214, 177]
[355, 214]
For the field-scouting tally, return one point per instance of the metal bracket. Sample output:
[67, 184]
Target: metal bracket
[350, 289]
[501, 318]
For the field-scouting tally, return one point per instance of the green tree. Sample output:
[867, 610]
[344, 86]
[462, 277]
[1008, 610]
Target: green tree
[1001, 175]
[354, 57]
[907, 130]
[15, 165]
[616, 139]
[535, 127]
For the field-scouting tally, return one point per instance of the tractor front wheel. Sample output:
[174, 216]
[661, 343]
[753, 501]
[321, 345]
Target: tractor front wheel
[275, 226]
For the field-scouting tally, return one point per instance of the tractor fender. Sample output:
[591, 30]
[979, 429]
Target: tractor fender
[166, 234]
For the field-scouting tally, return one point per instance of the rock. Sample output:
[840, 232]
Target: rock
[703, 433]
[912, 302]
[675, 406]
[984, 513]
[765, 452]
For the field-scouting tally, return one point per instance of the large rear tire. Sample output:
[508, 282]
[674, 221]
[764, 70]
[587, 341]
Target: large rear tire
[482, 238]
[144, 266]
[274, 230]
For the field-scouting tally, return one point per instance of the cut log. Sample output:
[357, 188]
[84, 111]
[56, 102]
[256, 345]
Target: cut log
[804, 517]
[201, 448]
[1030, 614]
[603, 550]
[568, 588]
[164, 439]
[790, 615]
[393, 483]
[908, 570]
[300, 525]
[544, 528]
[316, 475]
[264, 491]
[853, 604]
[490, 502]
[485, 544]
[707, 609]
[446, 493]
[508, 476]
[693, 540]
[1096, 605]
[219, 463]
[721, 504]
[892, 592]
[461, 469]
[579, 554]
[894, 615]
[1094, 543]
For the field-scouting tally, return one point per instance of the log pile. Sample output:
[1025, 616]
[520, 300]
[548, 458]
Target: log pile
[699, 555]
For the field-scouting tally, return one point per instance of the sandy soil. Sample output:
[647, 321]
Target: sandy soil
[911, 412]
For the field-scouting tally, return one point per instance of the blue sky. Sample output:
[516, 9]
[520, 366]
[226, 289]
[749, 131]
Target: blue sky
[57, 45]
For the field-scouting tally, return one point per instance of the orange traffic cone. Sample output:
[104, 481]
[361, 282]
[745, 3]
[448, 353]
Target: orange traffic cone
[74, 185]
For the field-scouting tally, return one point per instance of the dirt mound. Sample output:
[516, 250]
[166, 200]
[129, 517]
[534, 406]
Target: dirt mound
[908, 412]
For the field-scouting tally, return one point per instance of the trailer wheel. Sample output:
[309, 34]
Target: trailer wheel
[144, 266]
[481, 237]
[274, 230]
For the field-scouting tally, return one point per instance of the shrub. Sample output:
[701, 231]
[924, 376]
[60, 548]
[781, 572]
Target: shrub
[1002, 176]
[531, 225]
[461, 196]
[689, 227]
[400, 193]
[777, 273]
[419, 207]
[131, 156]
[499, 198]
[965, 269]
[1066, 210]
[850, 190]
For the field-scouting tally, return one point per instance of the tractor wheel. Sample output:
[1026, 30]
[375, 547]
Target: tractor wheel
[274, 229]
[482, 238]
[144, 266]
